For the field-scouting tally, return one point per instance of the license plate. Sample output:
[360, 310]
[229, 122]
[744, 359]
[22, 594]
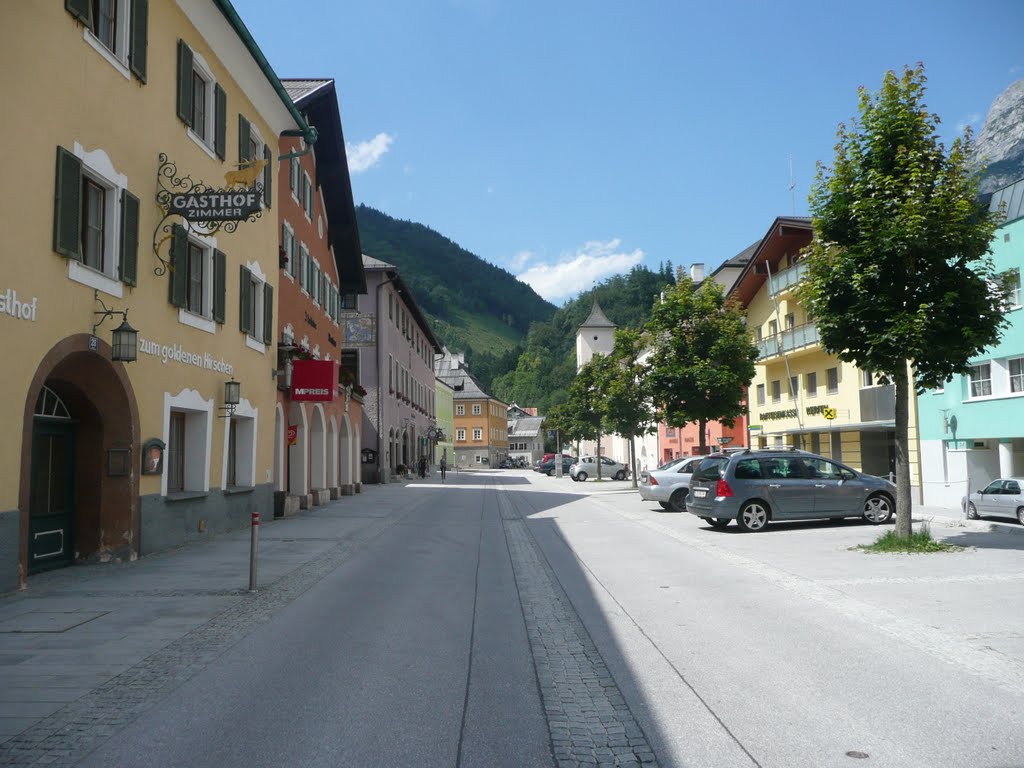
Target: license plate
[700, 493]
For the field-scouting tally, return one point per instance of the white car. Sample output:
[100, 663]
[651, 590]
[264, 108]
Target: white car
[670, 484]
[587, 467]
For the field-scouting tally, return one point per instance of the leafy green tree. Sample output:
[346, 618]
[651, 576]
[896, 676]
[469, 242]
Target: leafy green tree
[703, 356]
[628, 409]
[899, 276]
[586, 404]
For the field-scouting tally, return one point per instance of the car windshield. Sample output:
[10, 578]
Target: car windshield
[711, 468]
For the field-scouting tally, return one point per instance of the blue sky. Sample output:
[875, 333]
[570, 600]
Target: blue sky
[567, 141]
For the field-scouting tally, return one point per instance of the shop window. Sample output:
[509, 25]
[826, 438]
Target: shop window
[96, 221]
[240, 448]
[188, 419]
[176, 453]
[117, 29]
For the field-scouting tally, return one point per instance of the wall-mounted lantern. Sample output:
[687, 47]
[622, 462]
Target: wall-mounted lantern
[232, 397]
[124, 345]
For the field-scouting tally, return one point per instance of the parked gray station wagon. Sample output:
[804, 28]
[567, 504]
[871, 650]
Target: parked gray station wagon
[755, 487]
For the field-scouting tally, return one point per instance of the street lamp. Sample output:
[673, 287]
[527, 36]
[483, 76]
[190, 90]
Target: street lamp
[232, 397]
[124, 345]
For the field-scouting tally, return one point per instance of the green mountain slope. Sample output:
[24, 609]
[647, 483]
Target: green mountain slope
[471, 304]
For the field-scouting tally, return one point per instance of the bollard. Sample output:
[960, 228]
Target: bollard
[253, 541]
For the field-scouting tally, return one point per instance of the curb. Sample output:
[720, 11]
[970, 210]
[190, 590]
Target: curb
[984, 526]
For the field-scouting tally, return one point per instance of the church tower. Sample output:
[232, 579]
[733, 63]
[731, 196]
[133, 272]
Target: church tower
[595, 337]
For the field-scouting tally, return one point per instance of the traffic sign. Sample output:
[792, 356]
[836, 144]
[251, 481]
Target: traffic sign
[829, 413]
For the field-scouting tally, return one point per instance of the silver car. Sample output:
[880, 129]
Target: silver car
[669, 484]
[756, 487]
[1000, 498]
[587, 467]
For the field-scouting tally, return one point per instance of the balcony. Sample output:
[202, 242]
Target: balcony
[787, 279]
[788, 341]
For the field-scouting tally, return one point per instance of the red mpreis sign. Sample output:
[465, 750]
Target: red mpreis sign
[314, 380]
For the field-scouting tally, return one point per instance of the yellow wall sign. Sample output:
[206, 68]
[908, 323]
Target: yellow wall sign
[828, 413]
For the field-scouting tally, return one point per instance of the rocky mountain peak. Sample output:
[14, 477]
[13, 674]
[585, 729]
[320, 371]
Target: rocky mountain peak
[1000, 145]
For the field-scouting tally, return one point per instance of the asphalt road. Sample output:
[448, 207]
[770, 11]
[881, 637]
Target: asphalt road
[487, 622]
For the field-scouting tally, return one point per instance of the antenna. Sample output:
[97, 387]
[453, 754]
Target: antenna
[792, 184]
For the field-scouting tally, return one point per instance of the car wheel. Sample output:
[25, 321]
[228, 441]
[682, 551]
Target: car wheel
[620, 475]
[551, 473]
[753, 516]
[677, 501]
[718, 522]
[665, 505]
[878, 509]
[972, 512]
[581, 477]
[1020, 515]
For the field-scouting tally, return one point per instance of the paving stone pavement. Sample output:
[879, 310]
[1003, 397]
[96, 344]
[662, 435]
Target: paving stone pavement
[589, 721]
[64, 737]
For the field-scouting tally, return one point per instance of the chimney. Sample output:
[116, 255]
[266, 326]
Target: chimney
[697, 272]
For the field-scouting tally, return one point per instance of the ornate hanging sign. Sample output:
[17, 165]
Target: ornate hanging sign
[203, 209]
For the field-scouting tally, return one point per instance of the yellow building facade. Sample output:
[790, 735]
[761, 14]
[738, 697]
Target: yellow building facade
[117, 459]
[802, 396]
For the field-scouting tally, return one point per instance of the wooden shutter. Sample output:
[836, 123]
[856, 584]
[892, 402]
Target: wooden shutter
[244, 134]
[184, 83]
[220, 279]
[129, 264]
[245, 299]
[81, 10]
[139, 38]
[67, 206]
[268, 313]
[178, 286]
[220, 117]
[268, 174]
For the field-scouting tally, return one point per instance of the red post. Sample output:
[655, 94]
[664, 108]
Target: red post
[253, 542]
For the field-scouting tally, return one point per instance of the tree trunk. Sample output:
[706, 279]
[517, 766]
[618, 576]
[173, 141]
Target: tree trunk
[632, 460]
[702, 439]
[903, 504]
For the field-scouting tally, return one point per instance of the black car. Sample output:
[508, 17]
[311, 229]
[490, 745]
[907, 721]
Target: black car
[548, 467]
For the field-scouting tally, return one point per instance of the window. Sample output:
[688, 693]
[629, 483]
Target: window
[832, 380]
[349, 301]
[232, 478]
[391, 306]
[197, 280]
[776, 391]
[117, 29]
[202, 103]
[256, 307]
[867, 379]
[981, 380]
[1016, 367]
[478, 433]
[476, 409]
[826, 470]
[811, 380]
[295, 178]
[670, 431]
[1012, 278]
[304, 262]
[748, 469]
[350, 364]
[773, 328]
[760, 394]
[96, 221]
[794, 387]
[307, 196]
[176, 453]
[790, 321]
[460, 434]
[391, 374]
[758, 333]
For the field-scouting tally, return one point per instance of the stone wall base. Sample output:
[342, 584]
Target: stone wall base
[306, 501]
[358, 487]
[321, 496]
[347, 490]
[335, 493]
[285, 505]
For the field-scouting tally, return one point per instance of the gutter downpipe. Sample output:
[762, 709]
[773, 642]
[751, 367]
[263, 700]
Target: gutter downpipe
[380, 385]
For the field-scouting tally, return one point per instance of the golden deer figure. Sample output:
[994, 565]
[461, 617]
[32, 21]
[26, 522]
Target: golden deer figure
[246, 174]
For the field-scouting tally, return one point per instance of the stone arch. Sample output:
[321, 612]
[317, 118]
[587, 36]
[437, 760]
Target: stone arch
[317, 449]
[298, 454]
[104, 516]
[345, 460]
[332, 452]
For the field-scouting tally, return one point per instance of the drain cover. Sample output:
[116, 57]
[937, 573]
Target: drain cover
[857, 755]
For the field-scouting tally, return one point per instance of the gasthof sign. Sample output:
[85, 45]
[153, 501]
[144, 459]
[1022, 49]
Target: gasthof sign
[218, 205]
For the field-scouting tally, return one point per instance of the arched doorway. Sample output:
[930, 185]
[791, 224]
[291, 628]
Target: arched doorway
[392, 451]
[298, 453]
[332, 452]
[279, 449]
[345, 461]
[79, 490]
[317, 449]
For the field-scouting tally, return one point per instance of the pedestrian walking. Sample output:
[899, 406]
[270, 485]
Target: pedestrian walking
[423, 466]
[444, 467]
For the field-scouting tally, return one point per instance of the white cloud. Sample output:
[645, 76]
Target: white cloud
[367, 154]
[576, 272]
[520, 259]
[971, 119]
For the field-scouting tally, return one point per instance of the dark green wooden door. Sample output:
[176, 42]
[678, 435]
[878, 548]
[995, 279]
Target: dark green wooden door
[52, 499]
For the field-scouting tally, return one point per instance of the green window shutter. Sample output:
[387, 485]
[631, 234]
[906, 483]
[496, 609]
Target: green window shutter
[268, 313]
[81, 10]
[139, 38]
[245, 299]
[178, 286]
[67, 206]
[220, 279]
[243, 140]
[184, 83]
[292, 165]
[220, 133]
[268, 175]
[129, 264]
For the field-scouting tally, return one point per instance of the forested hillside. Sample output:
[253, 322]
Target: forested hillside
[537, 372]
[471, 304]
